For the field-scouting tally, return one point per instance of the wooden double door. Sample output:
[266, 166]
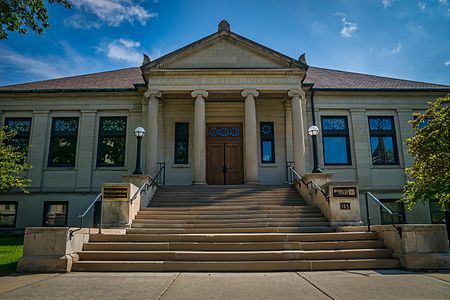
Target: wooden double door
[224, 154]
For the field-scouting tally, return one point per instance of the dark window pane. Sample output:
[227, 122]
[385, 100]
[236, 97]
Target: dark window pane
[65, 126]
[55, 214]
[267, 136]
[112, 151]
[335, 150]
[395, 207]
[267, 155]
[111, 142]
[64, 151]
[383, 151]
[437, 213]
[8, 212]
[181, 153]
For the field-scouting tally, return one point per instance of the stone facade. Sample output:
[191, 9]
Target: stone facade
[221, 79]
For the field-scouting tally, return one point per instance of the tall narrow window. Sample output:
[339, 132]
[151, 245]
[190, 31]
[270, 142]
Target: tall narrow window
[395, 207]
[267, 142]
[335, 140]
[22, 127]
[111, 142]
[55, 214]
[181, 143]
[436, 212]
[382, 141]
[63, 142]
[8, 214]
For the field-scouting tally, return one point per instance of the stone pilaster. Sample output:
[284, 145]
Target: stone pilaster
[86, 148]
[250, 138]
[362, 147]
[199, 137]
[298, 129]
[406, 132]
[38, 142]
[152, 131]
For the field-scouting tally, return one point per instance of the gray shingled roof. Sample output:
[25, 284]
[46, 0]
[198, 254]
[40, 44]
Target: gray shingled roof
[325, 79]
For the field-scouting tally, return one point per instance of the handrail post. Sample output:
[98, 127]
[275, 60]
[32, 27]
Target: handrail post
[367, 213]
[100, 225]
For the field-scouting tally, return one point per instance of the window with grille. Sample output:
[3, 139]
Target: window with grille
[267, 136]
[55, 214]
[111, 142]
[335, 141]
[63, 142]
[22, 128]
[382, 141]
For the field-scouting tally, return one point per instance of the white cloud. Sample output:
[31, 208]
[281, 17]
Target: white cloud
[110, 12]
[40, 67]
[80, 22]
[124, 50]
[422, 5]
[348, 28]
[392, 50]
[387, 3]
[447, 63]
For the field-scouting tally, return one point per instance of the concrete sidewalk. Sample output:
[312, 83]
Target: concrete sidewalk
[372, 284]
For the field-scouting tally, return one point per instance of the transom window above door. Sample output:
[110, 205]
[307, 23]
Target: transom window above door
[224, 131]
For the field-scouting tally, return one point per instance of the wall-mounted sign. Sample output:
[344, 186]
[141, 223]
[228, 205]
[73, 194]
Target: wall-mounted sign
[115, 193]
[345, 205]
[347, 192]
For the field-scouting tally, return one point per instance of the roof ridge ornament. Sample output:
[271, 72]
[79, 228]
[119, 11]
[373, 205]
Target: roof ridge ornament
[146, 59]
[302, 58]
[224, 25]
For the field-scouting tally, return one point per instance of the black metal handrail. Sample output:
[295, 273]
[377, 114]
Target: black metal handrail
[313, 184]
[390, 212]
[158, 180]
[81, 217]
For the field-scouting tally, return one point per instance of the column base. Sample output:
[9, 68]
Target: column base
[253, 182]
[199, 182]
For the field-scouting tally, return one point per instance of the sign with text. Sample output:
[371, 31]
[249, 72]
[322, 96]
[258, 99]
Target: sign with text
[345, 205]
[115, 193]
[346, 192]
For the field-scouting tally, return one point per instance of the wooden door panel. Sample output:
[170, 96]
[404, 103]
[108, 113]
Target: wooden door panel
[215, 155]
[233, 161]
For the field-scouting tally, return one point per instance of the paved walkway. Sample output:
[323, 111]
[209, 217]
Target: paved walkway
[377, 284]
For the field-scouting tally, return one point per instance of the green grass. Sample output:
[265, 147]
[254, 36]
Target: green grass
[11, 249]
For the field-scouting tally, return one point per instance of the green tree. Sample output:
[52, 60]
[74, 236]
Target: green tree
[12, 164]
[429, 177]
[18, 15]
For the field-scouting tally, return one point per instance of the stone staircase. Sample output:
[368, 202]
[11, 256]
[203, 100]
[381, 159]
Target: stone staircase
[232, 228]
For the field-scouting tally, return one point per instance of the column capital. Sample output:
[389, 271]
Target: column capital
[253, 93]
[198, 93]
[154, 93]
[296, 92]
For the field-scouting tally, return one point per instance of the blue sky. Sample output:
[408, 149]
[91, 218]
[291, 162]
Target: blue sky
[397, 38]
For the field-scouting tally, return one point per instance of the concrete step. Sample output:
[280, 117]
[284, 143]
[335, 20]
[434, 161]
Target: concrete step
[139, 224]
[239, 209]
[235, 237]
[231, 246]
[225, 216]
[234, 255]
[290, 265]
[316, 229]
[150, 220]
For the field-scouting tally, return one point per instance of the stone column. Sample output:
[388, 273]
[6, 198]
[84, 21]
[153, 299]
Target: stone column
[288, 129]
[38, 141]
[362, 147]
[298, 130]
[199, 137]
[250, 138]
[85, 150]
[152, 131]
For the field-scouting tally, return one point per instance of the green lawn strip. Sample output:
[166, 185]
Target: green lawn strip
[11, 249]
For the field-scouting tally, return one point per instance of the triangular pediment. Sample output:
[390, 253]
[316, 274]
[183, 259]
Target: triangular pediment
[224, 50]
